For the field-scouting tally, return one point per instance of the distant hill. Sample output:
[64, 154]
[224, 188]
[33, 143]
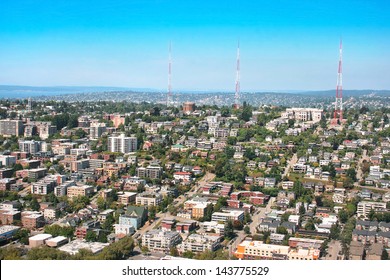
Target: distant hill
[11, 91]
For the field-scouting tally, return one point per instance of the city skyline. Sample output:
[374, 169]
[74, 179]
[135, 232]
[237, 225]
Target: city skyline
[284, 46]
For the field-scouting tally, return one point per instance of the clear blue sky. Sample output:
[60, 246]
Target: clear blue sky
[285, 44]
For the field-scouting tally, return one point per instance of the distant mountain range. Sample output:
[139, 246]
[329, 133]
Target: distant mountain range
[10, 91]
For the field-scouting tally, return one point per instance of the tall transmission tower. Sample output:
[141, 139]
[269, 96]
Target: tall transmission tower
[237, 94]
[169, 94]
[338, 110]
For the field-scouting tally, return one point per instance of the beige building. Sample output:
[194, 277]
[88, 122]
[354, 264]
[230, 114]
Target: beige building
[75, 191]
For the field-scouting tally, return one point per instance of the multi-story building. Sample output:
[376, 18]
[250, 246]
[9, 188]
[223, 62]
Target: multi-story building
[75, 191]
[32, 220]
[122, 144]
[96, 130]
[200, 243]
[250, 250]
[7, 160]
[158, 240]
[234, 215]
[148, 199]
[36, 173]
[303, 114]
[364, 207]
[188, 107]
[11, 127]
[61, 190]
[152, 172]
[30, 146]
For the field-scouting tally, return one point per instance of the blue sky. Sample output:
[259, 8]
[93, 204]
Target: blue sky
[285, 44]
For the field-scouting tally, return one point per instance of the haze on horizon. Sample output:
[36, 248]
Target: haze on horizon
[284, 45]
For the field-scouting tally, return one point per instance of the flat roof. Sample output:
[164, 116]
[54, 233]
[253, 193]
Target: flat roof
[74, 246]
[57, 239]
[42, 236]
[7, 228]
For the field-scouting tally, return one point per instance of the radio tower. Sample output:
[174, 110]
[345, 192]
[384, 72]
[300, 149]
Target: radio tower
[237, 94]
[338, 110]
[169, 94]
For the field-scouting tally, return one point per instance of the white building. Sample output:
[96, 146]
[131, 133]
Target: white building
[200, 243]
[158, 240]
[364, 207]
[122, 144]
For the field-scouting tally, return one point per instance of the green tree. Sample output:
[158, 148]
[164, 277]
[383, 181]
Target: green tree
[22, 235]
[385, 255]
[91, 236]
[247, 230]
[229, 230]
[34, 204]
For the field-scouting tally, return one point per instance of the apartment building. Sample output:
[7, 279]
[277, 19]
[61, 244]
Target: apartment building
[364, 207]
[122, 144]
[75, 191]
[11, 127]
[158, 240]
[200, 243]
[148, 199]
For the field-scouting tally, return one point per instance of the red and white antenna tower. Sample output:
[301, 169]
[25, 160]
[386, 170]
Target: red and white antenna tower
[338, 110]
[237, 94]
[169, 94]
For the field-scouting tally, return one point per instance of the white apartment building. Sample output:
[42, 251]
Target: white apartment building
[364, 207]
[122, 144]
[200, 243]
[158, 240]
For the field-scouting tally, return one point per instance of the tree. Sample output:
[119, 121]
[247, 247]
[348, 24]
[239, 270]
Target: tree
[34, 204]
[334, 232]
[208, 212]
[229, 230]
[385, 255]
[247, 230]
[10, 253]
[91, 236]
[343, 216]
[302, 209]
[22, 236]
[281, 230]
[174, 252]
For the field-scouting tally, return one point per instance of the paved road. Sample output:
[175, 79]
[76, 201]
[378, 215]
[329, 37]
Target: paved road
[253, 225]
[359, 173]
[290, 164]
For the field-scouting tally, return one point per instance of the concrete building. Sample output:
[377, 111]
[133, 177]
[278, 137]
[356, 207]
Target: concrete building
[76, 245]
[30, 146]
[188, 107]
[32, 220]
[122, 144]
[200, 243]
[11, 127]
[7, 232]
[234, 215]
[152, 172]
[7, 160]
[364, 207]
[96, 130]
[38, 240]
[252, 250]
[148, 199]
[56, 241]
[303, 114]
[75, 191]
[158, 240]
